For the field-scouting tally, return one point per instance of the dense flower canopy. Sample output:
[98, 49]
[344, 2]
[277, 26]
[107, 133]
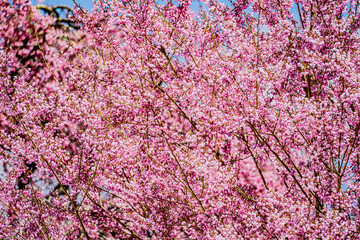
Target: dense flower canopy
[148, 119]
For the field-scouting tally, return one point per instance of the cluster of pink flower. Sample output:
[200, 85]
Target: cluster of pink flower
[145, 119]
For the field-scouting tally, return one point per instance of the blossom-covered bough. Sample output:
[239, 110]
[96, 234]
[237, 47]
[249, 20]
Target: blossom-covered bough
[147, 119]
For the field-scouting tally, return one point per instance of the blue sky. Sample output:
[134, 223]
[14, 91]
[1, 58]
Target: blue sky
[88, 4]
[84, 3]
